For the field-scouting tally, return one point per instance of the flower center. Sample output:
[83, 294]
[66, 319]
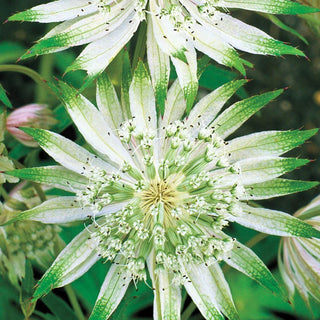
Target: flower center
[176, 202]
[161, 191]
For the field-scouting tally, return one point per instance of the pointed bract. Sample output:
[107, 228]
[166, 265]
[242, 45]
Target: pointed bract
[176, 29]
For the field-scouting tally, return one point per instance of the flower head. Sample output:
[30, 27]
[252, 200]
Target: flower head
[158, 193]
[31, 115]
[24, 240]
[299, 257]
[176, 29]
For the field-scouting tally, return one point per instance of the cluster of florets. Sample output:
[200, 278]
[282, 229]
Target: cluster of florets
[174, 206]
[32, 240]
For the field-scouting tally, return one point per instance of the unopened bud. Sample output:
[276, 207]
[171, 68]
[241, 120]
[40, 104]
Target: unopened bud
[32, 116]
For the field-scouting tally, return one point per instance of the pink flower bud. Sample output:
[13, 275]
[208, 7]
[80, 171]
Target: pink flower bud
[32, 116]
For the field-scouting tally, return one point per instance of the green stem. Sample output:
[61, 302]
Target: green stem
[256, 239]
[140, 45]
[45, 70]
[251, 243]
[74, 302]
[35, 76]
[39, 191]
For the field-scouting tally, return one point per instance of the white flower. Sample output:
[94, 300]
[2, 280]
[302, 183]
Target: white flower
[176, 29]
[299, 257]
[159, 192]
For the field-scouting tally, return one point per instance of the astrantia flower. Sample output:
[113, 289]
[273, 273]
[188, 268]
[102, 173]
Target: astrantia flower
[299, 257]
[21, 240]
[179, 27]
[158, 192]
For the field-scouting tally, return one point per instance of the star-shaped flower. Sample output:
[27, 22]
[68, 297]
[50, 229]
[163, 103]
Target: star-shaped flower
[178, 27]
[158, 192]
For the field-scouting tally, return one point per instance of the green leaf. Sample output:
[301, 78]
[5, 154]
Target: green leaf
[263, 304]
[54, 12]
[310, 213]
[4, 99]
[168, 40]
[9, 300]
[210, 44]
[213, 77]
[63, 118]
[283, 26]
[27, 285]
[132, 302]
[59, 307]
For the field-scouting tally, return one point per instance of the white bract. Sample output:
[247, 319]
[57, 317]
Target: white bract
[159, 191]
[176, 29]
[299, 258]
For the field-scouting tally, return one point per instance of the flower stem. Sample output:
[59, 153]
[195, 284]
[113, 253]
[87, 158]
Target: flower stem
[45, 70]
[74, 302]
[35, 76]
[39, 191]
[256, 239]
